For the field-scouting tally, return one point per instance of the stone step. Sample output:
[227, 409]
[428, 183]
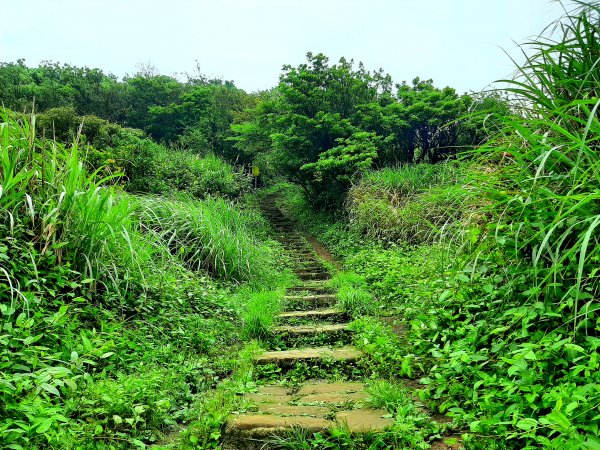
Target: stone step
[323, 314]
[311, 270]
[306, 259]
[319, 287]
[315, 406]
[254, 431]
[313, 263]
[308, 276]
[305, 254]
[314, 297]
[290, 357]
[359, 420]
[309, 302]
[313, 329]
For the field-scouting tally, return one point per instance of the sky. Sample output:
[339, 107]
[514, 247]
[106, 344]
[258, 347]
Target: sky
[457, 43]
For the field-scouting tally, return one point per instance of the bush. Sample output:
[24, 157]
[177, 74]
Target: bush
[259, 313]
[130, 405]
[411, 204]
[148, 167]
[211, 235]
[154, 169]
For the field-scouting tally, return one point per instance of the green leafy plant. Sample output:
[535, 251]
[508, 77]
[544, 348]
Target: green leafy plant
[389, 396]
[211, 235]
[259, 313]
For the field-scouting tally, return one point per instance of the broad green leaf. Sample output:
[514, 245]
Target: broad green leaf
[527, 424]
[51, 389]
[44, 426]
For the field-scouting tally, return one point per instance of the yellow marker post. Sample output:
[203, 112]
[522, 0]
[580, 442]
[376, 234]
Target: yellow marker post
[255, 174]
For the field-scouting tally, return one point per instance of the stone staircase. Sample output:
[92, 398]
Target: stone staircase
[316, 405]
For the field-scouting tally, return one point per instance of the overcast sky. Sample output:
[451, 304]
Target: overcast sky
[456, 42]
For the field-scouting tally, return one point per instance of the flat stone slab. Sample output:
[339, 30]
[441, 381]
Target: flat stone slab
[318, 289]
[266, 398]
[293, 410]
[314, 313]
[263, 424]
[323, 388]
[311, 297]
[347, 354]
[363, 420]
[312, 329]
[334, 398]
[273, 390]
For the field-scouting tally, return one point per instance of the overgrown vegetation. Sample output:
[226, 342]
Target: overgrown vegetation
[111, 322]
[134, 262]
[498, 300]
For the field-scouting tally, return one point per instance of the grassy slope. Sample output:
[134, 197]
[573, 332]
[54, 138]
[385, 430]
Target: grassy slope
[116, 311]
[496, 277]
[468, 336]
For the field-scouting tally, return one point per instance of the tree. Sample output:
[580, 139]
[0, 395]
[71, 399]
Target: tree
[309, 114]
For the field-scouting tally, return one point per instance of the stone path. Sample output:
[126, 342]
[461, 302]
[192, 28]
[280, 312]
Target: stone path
[316, 405]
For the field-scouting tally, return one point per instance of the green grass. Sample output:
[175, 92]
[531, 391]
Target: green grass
[259, 313]
[389, 396]
[412, 204]
[546, 191]
[353, 296]
[113, 321]
[408, 180]
[212, 235]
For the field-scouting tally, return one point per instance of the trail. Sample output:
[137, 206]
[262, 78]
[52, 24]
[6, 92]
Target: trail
[314, 338]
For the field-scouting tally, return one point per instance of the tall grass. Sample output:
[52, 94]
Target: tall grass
[412, 203]
[212, 235]
[408, 180]
[548, 185]
[48, 198]
[260, 309]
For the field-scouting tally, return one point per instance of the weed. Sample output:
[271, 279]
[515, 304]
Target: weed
[392, 397]
[356, 301]
[259, 313]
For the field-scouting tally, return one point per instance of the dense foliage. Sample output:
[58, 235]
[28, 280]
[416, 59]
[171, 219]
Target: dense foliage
[499, 301]
[111, 316]
[195, 114]
[134, 262]
[324, 124]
